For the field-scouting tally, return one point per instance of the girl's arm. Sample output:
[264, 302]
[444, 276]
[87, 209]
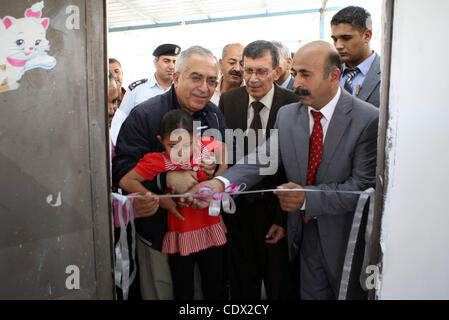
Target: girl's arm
[132, 182]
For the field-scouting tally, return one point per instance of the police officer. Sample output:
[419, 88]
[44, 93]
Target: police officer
[164, 61]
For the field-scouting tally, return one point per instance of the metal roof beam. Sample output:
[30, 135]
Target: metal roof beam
[131, 7]
[253, 16]
[203, 11]
[322, 11]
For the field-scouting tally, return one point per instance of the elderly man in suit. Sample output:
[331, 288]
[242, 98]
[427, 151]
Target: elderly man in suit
[286, 79]
[351, 29]
[257, 245]
[327, 142]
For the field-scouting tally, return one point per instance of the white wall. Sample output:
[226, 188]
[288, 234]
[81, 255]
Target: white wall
[415, 237]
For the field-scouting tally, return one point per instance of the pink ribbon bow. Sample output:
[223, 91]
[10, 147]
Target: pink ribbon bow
[219, 199]
[30, 14]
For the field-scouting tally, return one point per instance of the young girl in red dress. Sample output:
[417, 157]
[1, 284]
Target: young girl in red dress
[193, 235]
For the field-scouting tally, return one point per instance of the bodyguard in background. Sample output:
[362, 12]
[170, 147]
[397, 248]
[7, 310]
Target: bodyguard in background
[351, 30]
[141, 90]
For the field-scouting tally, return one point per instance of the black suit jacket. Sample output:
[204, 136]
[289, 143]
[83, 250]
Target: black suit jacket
[234, 106]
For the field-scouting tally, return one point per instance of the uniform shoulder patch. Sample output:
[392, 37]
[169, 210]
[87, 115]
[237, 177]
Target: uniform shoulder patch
[137, 83]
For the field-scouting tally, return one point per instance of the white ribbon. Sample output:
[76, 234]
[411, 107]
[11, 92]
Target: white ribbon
[352, 241]
[123, 279]
[224, 199]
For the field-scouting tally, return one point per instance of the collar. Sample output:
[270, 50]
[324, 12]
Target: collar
[365, 65]
[328, 109]
[174, 98]
[267, 100]
[286, 82]
[153, 82]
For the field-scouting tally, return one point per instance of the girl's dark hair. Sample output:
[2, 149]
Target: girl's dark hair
[175, 119]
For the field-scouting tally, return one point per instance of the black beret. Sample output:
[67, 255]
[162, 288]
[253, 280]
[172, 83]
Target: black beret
[167, 50]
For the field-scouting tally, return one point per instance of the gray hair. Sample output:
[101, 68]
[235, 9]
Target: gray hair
[181, 62]
[285, 51]
[225, 48]
[333, 61]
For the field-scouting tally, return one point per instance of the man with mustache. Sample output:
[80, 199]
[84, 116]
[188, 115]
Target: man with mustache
[195, 79]
[164, 61]
[257, 247]
[231, 70]
[326, 142]
[351, 29]
[116, 68]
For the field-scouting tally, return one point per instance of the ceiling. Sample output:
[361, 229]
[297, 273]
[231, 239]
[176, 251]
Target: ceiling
[139, 14]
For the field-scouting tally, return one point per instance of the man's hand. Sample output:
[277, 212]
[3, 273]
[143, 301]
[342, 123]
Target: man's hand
[181, 181]
[202, 203]
[147, 205]
[275, 234]
[169, 205]
[291, 201]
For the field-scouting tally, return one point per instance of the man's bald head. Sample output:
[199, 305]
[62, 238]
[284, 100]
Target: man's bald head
[316, 68]
[323, 51]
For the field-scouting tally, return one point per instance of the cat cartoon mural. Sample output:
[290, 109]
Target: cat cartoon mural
[23, 46]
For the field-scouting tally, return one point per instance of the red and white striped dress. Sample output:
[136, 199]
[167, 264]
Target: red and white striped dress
[198, 231]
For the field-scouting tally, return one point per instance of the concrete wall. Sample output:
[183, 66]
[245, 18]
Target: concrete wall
[415, 237]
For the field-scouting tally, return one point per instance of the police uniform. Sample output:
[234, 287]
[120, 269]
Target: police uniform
[140, 91]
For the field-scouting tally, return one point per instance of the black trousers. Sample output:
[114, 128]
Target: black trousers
[250, 259]
[211, 265]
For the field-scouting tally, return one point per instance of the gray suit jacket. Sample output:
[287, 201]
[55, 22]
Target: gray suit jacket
[370, 89]
[348, 163]
[290, 83]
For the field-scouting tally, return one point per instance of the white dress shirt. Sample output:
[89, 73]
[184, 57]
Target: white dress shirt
[327, 111]
[267, 101]
[364, 68]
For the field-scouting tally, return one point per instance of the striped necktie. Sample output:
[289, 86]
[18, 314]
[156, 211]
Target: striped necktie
[350, 74]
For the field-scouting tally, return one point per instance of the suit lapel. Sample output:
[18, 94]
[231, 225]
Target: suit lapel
[277, 103]
[372, 79]
[242, 109]
[301, 134]
[337, 127]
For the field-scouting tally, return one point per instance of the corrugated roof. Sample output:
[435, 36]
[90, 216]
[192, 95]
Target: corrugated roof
[153, 13]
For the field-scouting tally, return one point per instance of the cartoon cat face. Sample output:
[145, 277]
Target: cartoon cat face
[23, 39]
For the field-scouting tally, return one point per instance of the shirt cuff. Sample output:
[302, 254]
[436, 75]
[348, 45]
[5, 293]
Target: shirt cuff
[303, 208]
[162, 181]
[225, 181]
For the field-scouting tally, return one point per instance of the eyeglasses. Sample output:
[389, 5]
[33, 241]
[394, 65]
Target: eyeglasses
[260, 73]
[198, 80]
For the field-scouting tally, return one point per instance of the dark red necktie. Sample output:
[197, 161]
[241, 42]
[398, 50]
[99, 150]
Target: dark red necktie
[315, 148]
[315, 151]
